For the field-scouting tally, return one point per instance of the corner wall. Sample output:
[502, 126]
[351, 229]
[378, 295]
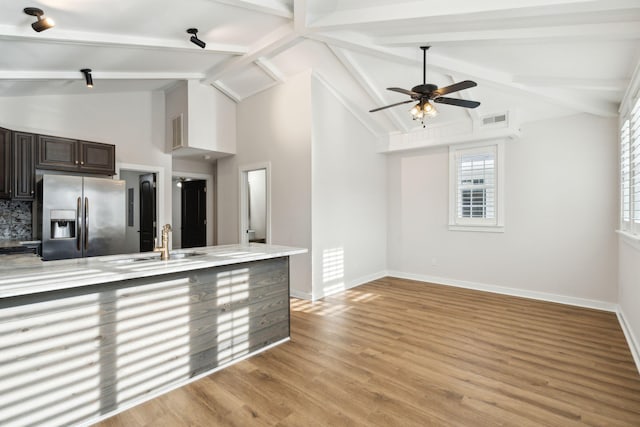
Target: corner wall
[349, 198]
[560, 216]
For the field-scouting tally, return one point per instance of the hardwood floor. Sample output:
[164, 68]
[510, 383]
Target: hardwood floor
[402, 353]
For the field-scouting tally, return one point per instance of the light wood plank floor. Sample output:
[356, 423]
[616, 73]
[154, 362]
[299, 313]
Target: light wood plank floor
[403, 353]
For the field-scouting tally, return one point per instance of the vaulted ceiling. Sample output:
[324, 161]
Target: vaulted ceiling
[536, 58]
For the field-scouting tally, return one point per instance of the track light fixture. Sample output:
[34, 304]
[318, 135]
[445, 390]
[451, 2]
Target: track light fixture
[43, 23]
[194, 38]
[87, 76]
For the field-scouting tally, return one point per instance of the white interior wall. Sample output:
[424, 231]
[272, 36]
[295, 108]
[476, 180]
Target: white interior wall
[212, 118]
[349, 236]
[274, 126]
[134, 122]
[176, 214]
[629, 291]
[560, 214]
[132, 236]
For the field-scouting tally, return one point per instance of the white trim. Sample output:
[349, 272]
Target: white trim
[485, 229]
[179, 384]
[160, 187]
[210, 191]
[634, 346]
[349, 285]
[542, 296]
[300, 295]
[242, 223]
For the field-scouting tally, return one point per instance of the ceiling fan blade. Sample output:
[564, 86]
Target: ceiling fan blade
[454, 88]
[411, 93]
[392, 105]
[457, 102]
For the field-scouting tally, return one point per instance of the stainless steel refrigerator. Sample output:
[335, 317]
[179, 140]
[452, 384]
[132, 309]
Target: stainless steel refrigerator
[81, 216]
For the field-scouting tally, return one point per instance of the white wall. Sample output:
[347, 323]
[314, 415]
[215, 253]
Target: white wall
[132, 236]
[212, 119]
[209, 117]
[629, 290]
[560, 214]
[349, 198]
[274, 126]
[133, 122]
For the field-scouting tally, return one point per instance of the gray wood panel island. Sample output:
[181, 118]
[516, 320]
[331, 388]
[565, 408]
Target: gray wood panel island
[83, 339]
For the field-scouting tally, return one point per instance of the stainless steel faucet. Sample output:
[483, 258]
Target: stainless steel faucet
[164, 249]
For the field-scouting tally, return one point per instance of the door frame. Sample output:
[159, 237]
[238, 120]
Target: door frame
[212, 237]
[160, 187]
[243, 181]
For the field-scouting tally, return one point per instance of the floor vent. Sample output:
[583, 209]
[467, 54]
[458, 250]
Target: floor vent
[177, 132]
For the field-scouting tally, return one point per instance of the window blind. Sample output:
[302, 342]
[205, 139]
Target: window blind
[476, 195]
[634, 148]
[625, 169]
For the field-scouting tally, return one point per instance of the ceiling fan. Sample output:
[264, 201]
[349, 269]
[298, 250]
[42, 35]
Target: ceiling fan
[425, 93]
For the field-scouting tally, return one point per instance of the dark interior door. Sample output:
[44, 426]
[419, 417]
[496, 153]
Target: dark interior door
[147, 211]
[194, 214]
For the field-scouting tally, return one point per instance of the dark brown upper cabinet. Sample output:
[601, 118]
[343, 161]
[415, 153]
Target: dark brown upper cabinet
[5, 163]
[96, 157]
[24, 174]
[65, 154]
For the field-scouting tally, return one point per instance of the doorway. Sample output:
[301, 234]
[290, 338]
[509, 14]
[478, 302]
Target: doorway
[147, 184]
[131, 174]
[193, 213]
[255, 204]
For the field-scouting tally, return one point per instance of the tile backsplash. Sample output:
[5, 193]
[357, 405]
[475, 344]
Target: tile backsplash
[15, 220]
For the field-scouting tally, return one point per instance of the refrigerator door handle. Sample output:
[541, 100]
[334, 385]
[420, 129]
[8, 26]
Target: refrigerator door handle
[86, 223]
[78, 229]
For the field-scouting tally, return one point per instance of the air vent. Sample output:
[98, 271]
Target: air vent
[494, 119]
[177, 132]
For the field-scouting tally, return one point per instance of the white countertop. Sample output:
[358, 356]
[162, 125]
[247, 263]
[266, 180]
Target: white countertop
[24, 275]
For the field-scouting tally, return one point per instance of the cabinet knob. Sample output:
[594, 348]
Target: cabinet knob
[76, 162]
[82, 163]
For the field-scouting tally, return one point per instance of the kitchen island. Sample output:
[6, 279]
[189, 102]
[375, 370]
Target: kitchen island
[83, 339]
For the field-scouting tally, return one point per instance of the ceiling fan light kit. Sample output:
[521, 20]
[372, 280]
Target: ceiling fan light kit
[43, 23]
[426, 92]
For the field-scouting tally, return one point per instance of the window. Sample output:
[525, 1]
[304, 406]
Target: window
[630, 171]
[475, 186]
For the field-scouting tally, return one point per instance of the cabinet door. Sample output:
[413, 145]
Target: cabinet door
[96, 157]
[57, 153]
[24, 173]
[5, 163]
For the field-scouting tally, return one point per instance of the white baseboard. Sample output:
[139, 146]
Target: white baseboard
[341, 288]
[543, 296]
[630, 336]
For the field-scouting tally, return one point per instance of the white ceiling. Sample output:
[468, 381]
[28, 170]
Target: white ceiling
[541, 58]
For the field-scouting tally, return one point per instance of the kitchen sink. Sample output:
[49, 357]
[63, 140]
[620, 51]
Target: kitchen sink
[181, 255]
[156, 257]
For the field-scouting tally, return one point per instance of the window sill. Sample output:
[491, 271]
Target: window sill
[632, 240]
[478, 228]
